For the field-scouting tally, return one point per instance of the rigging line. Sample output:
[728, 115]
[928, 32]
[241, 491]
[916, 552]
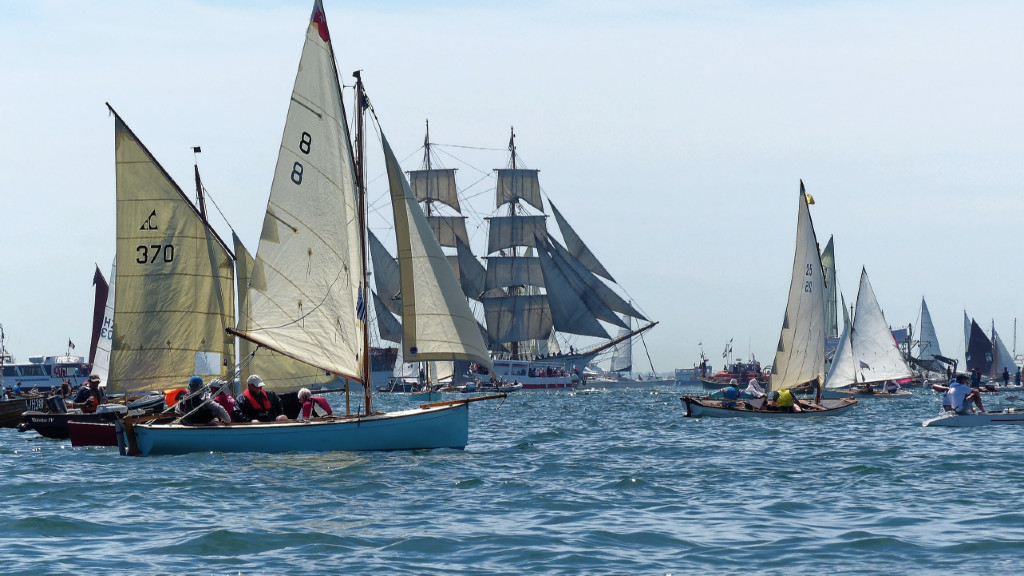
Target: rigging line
[469, 147]
[464, 163]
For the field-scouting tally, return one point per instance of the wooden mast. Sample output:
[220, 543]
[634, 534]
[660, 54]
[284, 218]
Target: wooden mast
[360, 169]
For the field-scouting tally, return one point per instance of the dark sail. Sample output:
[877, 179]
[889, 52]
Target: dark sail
[979, 350]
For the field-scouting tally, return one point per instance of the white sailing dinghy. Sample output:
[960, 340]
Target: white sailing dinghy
[305, 295]
[867, 355]
[800, 357]
[954, 420]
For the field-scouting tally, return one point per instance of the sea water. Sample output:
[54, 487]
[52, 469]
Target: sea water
[604, 482]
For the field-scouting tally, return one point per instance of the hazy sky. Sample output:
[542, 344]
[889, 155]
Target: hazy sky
[671, 134]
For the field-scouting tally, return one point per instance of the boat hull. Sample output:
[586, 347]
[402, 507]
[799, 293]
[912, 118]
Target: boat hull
[696, 407]
[417, 429]
[11, 411]
[954, 420]
[831, 394]
[92, 433]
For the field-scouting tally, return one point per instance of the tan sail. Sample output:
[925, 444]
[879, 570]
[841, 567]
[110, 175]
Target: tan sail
[174, 292]
[437, 323]
[800, 356]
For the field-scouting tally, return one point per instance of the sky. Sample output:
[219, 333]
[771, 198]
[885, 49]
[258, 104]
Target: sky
[671, 134]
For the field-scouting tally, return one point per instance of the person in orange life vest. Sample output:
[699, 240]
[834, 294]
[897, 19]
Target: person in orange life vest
[90, 400]
[258, 404]
[313, 406]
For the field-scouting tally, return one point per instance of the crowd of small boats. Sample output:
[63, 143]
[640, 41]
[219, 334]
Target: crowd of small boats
[306, 302]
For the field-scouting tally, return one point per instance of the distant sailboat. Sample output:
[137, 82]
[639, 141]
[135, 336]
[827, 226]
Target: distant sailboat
[800, 355]
[928, 343]
[867, 356]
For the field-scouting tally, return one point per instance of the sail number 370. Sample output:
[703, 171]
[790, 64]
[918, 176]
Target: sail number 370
[154, 253]
[304, 145]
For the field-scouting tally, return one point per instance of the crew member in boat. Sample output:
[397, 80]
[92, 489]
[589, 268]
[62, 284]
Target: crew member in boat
[65, 388]
[89, 398]
[729, 394]
[891, 387]
[17, 387]
[198, 408]
[219, 391]
[313, 406]
[257, 403]
[963, 395]
[783, 401]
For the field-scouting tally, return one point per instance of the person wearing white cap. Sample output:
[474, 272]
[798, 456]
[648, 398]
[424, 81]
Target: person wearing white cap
[257, 403]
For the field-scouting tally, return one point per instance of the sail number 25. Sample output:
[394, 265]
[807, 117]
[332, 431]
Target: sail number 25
[154, 252]
[304, 145]
[809, 284]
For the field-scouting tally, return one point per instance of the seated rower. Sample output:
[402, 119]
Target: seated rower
[963, 395]
[729, 395]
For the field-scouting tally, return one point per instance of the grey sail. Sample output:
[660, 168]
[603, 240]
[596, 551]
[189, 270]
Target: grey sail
[576, 246]
[436, 184]
[472, 275]
[569, 311]
[928, 344]
[517, 318]
[516, 184]
[505, 271]
[388, 326]
[386, 275]
[606, 294]
[622, 354]
[511, 231]
[562, 277]
[449, 229]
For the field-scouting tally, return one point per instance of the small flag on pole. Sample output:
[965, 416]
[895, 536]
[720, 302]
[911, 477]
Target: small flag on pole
[361, 305]
[71, 345]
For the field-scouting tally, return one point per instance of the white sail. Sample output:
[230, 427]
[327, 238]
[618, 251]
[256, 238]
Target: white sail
[518, 184]
[279, 372]
[842, 372]
[437, 323]
[800, 356]
[828, 266]
[101, 361]
[435, 184]
[876, 356]
[622, 353]
[388, 327]
[306, 282]
[1001, 357]
[928, 343]
[174, 292]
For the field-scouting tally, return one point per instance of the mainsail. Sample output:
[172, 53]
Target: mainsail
[828, 266]
[1001, 357]
[979, 349]
[800, 356]
[103, 332]
[928, 345]
[174, 292]
[306, 283]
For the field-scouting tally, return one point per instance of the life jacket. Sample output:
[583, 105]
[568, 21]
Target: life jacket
[260, 405]
[92, 402]
[785, 399]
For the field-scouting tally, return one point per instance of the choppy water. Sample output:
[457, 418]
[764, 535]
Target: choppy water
[615, 482]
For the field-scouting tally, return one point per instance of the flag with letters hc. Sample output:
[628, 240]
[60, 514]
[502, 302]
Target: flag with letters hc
[361, 306]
